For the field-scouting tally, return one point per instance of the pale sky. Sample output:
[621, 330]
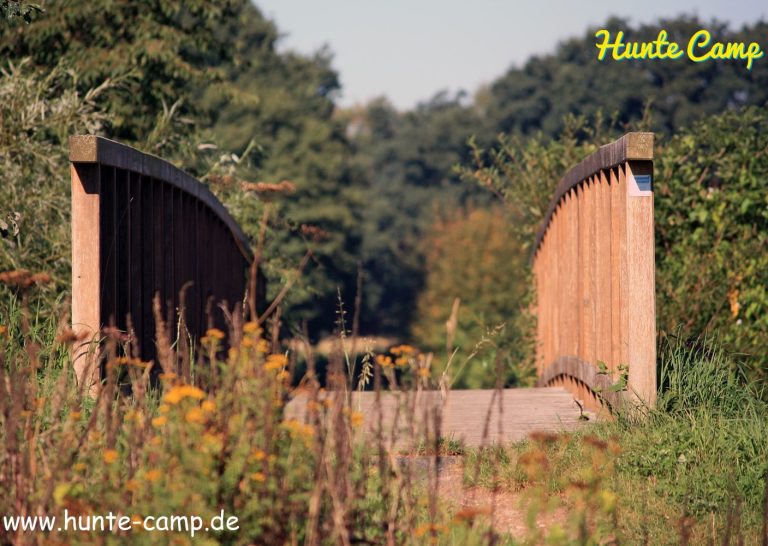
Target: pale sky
[407, 50]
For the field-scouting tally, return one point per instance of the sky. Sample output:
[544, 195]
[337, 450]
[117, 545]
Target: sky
[408, 50]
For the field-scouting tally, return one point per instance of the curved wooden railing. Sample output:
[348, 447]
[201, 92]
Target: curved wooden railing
[141, 227]
[594, 271]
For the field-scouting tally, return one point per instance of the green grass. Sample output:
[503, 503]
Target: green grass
[697, 461]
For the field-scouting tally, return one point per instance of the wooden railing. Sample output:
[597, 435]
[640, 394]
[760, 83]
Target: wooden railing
[594, 271]
[141, 227]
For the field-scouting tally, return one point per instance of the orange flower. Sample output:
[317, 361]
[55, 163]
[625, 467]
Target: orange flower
[159, 421]
[384, 361]
[152, 475]
[405, 350]
[214, 333]
[178, 393]
[110, 456]
[258, 455]
[251, 328]
[195, 415]
[275, 362]
[356, 418]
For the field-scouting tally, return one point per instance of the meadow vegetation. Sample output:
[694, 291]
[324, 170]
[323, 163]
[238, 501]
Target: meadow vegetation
[436, 228]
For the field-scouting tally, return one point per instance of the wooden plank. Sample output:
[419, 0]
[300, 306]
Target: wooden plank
[570, 293]
[107, 234]
[556, 287]
[147, 268]
[167, 252]
[122, 272]
[603, 269]
[619, 324]
[586, 234]
[463, 413]
[136, 258]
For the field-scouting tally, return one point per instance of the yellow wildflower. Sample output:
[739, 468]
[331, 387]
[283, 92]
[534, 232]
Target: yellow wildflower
[214, 333]
[247, 342]
[401, 361]
[110, 456]
[275, 362]
[356, 419]
[163, 408]
[131, 485]
[299, 429]
[208, 405]
[263, 346]
[258, 476]
[3, 329]
[423, 372]
[384, 361]
[167, 376]
[283, 375]
[258, 455]
[212, 440]
[404, 350]
[152, 475]
[178, 393]
[78, 467]
[251, 327]
[425, 528]
[159, 421]
[195, 415]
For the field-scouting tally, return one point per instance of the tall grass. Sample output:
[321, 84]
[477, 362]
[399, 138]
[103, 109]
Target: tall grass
[223, 437]
[218, 439]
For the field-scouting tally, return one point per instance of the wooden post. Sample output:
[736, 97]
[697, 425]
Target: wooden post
[86, 271]
[641, 282]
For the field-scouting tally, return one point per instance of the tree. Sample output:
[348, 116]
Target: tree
[475, 256]
[208, 71]
[572, 81]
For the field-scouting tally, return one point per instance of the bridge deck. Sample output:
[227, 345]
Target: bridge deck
[465, 414]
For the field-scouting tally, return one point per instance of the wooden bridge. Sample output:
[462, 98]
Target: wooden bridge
[142, 227]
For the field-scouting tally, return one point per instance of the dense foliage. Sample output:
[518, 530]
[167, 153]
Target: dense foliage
[202, 83]
[39, 110]
[710, 215]
[712, 233]
[205, 85]
[408, 157]
[475, 287]
[537, 96]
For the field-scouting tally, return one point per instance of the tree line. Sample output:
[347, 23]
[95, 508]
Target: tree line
[383, 199]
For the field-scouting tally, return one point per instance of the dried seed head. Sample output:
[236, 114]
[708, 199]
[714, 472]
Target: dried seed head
[24, 278]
